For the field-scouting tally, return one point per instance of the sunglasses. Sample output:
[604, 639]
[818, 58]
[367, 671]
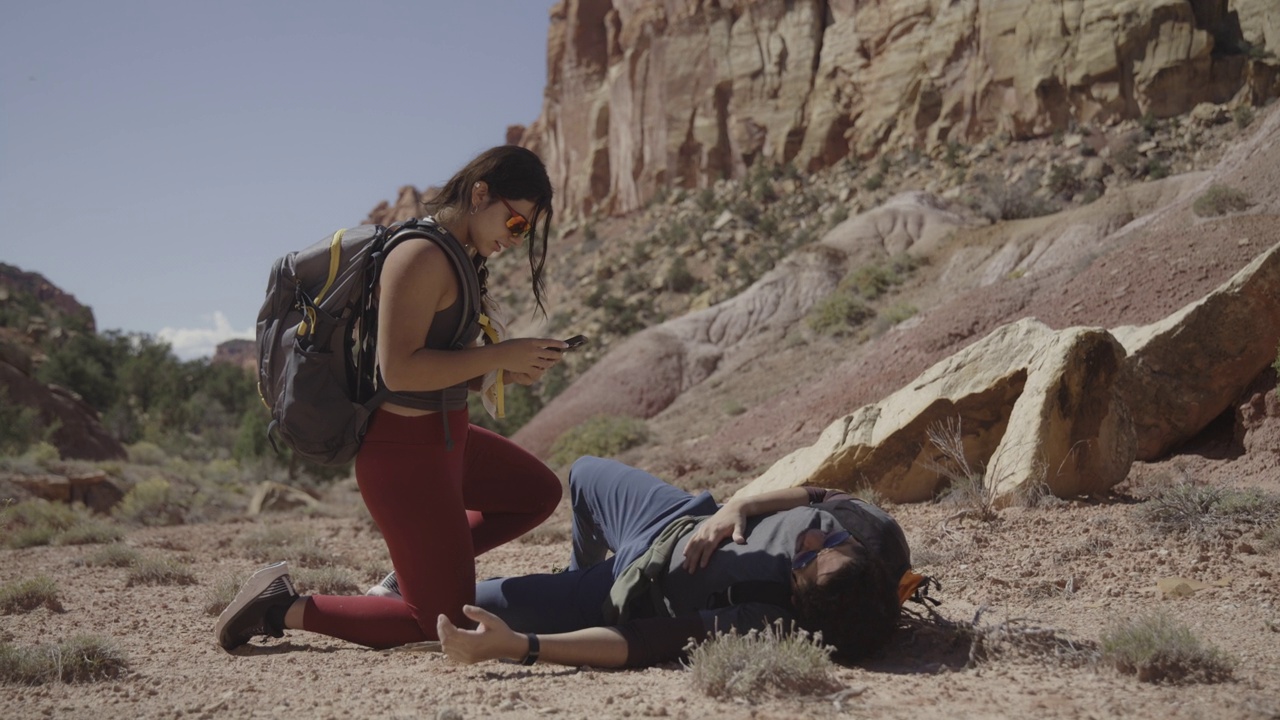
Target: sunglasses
[518, 225]
[833, 539]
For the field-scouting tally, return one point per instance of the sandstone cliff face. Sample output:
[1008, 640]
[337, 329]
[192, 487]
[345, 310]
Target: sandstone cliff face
[643, 94]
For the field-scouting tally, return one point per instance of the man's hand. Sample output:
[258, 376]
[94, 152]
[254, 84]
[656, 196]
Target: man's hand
[491, 640]
[729, 521]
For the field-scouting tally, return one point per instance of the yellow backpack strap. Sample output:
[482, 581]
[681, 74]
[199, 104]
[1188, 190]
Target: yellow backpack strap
[335, 259]
[498, 400]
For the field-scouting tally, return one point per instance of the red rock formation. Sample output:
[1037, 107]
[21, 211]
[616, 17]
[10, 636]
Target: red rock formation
[642, 95]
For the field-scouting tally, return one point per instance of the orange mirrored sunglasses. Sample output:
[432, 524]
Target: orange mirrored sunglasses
[517, 224]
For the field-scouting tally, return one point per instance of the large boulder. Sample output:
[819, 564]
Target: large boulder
[1187, 369]
[78, 433]
[1027, 404]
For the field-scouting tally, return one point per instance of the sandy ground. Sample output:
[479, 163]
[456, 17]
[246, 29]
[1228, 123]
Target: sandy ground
[1070, 567]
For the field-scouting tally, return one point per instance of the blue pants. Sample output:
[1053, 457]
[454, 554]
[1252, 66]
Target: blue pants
[616, 508]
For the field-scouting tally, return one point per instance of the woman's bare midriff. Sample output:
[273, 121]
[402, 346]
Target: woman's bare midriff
[406, 411]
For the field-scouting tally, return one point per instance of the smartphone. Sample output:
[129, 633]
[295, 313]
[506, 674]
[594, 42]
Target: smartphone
[576, 342]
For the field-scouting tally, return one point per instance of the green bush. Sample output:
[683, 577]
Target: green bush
[602, 436]
[769, 662]
[1204, 510]
[20, 426]
[839, 314]
[113, 555]
[1158, 649]
[1220, 200]
[152, 502]
[36, 522]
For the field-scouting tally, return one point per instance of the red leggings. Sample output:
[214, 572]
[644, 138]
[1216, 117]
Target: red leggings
[437, 511]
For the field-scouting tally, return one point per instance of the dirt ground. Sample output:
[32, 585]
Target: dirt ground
[1070, 567]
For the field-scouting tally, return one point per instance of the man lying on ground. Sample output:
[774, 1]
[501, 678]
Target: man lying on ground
[684, 567]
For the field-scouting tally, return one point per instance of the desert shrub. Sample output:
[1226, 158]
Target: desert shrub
[733, 407]
[874, 182]
[325, 581]
[998, 200]
[838, 314]
[159, 570]
[1191, 509]
[89, 531]
[971, 488]
[768, 662]
[147, 453]
[36, 522]
[900, 312]
[27, 595]
[1158, 649]
[1243, 116]
[151, 502]
[678, 278]
[602, 436]
[113, 555]
[270, 543]
[20, 425]
[83, 658]
[1220, 200]
[1064, 180]
[1158, 170]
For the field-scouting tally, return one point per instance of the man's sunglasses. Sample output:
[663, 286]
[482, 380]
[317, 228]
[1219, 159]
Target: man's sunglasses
[517, 224]
[833, 539]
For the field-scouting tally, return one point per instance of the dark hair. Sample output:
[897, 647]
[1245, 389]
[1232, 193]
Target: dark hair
[514, 173]
[856, 609]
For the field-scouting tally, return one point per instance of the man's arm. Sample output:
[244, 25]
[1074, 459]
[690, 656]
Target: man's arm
[731, 521]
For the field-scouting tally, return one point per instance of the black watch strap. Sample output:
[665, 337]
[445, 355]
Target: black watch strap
[534, 648]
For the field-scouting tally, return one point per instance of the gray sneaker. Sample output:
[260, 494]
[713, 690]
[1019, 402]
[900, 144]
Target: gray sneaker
[246, 616]
[389, 587]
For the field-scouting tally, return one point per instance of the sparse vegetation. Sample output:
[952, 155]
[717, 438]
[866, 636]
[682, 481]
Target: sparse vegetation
[1243, 116]
[969, 487]
[219, 594]
[159, 570]
[152, 502]
[769, 662]
[40, 522]
[1202, 510]
[324, 581]
[1220, 200]
[83, 658]
[839, 314]
[1158, 649]
[602, 436]
[114, 555]
[271, 543]
[27, 595]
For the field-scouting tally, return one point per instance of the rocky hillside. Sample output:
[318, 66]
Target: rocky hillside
[644, 96]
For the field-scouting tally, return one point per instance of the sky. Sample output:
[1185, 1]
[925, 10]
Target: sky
[156, 157]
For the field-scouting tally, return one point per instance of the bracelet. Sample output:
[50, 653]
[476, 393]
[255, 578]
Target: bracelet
[534, 647]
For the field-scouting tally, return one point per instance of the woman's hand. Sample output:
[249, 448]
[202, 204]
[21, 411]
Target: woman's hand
[530, 356]
[729, 521]
[491, 640]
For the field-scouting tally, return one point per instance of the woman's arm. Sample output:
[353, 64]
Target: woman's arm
[493, 640]
[416, 282]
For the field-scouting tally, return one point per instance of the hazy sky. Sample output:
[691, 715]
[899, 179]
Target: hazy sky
[157, 156]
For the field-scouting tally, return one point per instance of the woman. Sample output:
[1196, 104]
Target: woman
[441, 491]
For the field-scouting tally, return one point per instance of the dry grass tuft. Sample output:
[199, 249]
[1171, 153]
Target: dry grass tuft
[971, 488]
[1204, 511]
[83, 658]
[113, 555]
[27, 595]
[1158, 649]
[271, 543]
[159, 570]
[769, 662]
[324, 581]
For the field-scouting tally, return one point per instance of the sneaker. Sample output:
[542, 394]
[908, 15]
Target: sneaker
[246, 616]
[389, 587]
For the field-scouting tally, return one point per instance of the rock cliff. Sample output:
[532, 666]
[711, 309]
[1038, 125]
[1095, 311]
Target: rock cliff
[643, 95]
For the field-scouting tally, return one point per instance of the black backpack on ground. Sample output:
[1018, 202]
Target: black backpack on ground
[317, 335]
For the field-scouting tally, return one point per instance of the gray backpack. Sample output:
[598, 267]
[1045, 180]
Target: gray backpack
[317, 335]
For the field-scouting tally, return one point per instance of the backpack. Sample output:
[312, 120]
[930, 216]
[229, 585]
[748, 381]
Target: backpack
[317, 335]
